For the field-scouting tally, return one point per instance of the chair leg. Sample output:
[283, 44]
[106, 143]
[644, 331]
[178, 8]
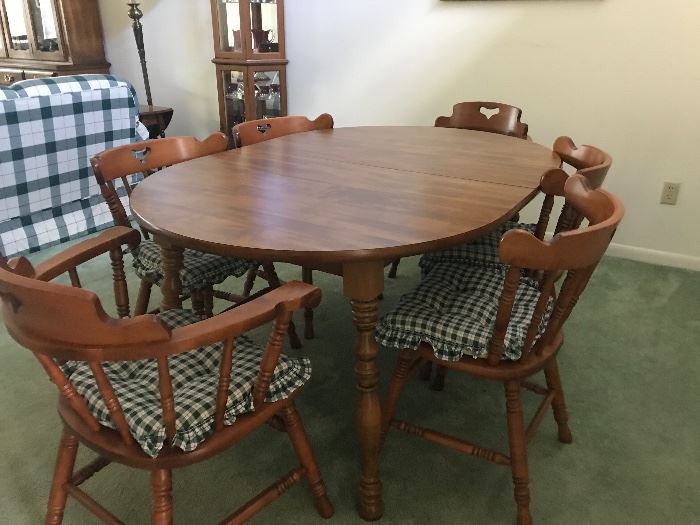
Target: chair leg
[63, 471]
[551, 374]
[426, 370]
[302, 447]
[274, 281]
[208, 298]
[439, 380]
[518, 451]
[198, 302]
[162, 493]
[143, 298]
[307, 277]
[396, 385]
[249, 281]
[394, 267]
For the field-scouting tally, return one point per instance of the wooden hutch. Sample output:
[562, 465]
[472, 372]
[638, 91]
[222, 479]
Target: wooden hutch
[250, 60]
[44, 38]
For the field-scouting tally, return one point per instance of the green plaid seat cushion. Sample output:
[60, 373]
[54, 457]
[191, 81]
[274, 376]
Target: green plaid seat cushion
[454, 310]
[194, 376]
[481, 252]
[199, 270]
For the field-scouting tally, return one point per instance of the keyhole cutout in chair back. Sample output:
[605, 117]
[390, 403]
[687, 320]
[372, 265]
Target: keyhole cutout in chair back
[489, 113]
[264, 128]
[141, 154]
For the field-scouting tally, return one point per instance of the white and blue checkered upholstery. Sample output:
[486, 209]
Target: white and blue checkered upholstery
[199, 270]
[481, 252]
[194, 377]
[454, 311]
[49, 130]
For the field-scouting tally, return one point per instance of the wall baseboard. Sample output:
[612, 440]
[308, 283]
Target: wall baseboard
[647, 255]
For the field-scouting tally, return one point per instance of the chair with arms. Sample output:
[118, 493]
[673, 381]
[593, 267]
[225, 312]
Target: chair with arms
[156, 392]
[491, 117]
[589, 161]
[501, 325]
[200, 271]
[255, 131]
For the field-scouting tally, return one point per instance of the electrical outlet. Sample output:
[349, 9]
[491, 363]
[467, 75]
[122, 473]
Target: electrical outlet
[669, 192]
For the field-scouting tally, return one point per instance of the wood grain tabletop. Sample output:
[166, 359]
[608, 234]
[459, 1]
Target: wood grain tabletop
[364, 193]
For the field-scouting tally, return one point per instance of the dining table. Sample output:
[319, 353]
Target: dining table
[347, 200]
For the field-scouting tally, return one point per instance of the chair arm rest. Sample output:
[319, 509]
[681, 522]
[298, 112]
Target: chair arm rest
[287, 298]
[88, 249]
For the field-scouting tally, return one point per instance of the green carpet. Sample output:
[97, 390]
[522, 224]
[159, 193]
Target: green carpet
[630, 370]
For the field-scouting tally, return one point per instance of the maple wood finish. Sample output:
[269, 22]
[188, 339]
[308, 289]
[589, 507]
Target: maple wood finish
[79, 43]
[255, 131]
[59, 323]
[492, 117]
[576, 253]
[589, 162]
[349, 199]
[147, 157]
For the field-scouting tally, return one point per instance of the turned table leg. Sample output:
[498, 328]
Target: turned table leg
[363, 282]
[171, 287]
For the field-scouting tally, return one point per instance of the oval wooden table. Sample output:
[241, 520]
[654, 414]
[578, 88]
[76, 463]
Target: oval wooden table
[348, 198]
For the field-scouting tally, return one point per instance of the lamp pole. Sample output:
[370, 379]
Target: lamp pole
[135, 14]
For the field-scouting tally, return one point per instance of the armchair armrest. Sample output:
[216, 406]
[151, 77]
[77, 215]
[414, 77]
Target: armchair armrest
[77, 254]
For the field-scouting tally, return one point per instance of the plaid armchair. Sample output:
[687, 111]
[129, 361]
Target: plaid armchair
[49, 130]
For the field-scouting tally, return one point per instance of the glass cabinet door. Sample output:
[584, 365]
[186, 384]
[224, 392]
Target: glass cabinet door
[230, 33]
[44, 26]
[17, 28]
[264, 26]
[234, 98]
[268, 95]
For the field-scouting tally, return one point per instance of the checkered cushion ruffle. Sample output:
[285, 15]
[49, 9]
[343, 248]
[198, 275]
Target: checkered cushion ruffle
[454, 310]
[482, 252]
[194, 376]
[199, 269]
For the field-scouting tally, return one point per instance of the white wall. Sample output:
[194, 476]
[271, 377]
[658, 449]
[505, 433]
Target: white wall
[620, 74]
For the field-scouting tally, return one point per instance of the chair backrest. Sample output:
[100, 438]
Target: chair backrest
[576, 253]
[590, 162]
[492, 117]
[145, 158]
[254, 131]
[60, 323]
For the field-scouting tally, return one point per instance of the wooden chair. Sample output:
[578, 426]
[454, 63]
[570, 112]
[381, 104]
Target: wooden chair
[492, 117]
[155, 392]
[527, 316]
[200, 271]
[589, 161]
[255, 131]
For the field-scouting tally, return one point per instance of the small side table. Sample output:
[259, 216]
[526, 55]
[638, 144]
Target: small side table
[156, 119]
